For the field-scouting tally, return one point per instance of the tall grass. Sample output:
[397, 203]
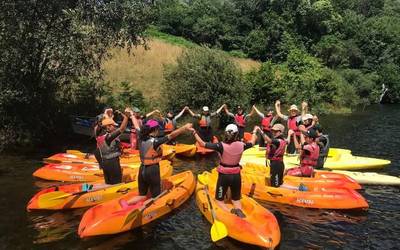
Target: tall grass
[144, 68]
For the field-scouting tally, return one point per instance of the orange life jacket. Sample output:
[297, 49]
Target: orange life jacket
[148, 155]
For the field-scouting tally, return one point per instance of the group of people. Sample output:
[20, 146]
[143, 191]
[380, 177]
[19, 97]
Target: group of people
[148, 134]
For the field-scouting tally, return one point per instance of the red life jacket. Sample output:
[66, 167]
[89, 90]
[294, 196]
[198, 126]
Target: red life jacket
[148, 155]
[312, 158]
[292, 124]
[230, 158]
[266, 122]
[276, 154]
[240, 121]
[108, 151]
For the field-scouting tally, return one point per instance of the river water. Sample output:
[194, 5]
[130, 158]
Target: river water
[374, 132]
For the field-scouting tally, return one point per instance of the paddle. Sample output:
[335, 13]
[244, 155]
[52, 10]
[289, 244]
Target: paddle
[55, 198]
[218, 229]
[54, 161]
[133, 214]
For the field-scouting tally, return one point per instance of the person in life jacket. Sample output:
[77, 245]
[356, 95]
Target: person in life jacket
[309, 154]
[230, 152]
[109, 148]
[307, 122]
[169, 122]
[240, 119]
[150, 155]
[276, 149]
[293, 122]
[204, 121]
[324, 145]
[267, 121]
[134, 134]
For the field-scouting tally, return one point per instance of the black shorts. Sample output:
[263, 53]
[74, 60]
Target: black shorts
[241, 132]
[205, 134]
[149, 179]
[276, 173]
[97, 155]
[225, 181]
[112, 171]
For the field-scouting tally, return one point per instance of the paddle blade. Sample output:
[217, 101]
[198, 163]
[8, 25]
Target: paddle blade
[203, 178]
[218, 231]
[131, 216]
[52, 199]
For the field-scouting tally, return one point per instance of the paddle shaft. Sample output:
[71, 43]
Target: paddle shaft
[214, 216]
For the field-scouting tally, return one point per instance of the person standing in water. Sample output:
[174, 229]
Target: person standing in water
[204, 120]
[149, 179]
[230, 152]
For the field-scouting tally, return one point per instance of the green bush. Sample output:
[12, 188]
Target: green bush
[203, 77]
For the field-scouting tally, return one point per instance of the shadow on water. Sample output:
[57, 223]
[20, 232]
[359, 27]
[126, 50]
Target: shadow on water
[374, 132]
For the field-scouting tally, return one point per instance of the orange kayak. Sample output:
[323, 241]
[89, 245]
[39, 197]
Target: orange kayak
[315, 197]
[72, 196]
[203, 150]
[323, 179]
[82, 158]
[187, 150]
[260, 226]
[111, 218]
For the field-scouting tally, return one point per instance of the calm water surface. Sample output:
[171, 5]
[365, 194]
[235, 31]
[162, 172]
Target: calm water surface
[374, 132]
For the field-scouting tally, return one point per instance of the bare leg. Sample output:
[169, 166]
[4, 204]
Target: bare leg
[222, 205]
[237, 204]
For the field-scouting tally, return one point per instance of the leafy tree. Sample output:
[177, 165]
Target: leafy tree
[204, 77]
[47, 47]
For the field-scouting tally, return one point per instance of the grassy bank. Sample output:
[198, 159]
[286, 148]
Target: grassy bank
[144, 68]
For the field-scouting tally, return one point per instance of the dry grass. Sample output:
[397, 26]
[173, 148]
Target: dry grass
[144, 68]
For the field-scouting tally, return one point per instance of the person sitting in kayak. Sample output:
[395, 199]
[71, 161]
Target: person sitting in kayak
[230, 152]
[150, 157]
[293, 122]
[110, 150]
[204, 118]
[309, 153]
[168, 123]
[267, 121]
[276, 149]
[240, 119]
[324, 145]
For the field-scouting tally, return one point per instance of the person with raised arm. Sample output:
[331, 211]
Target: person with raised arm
[293, 121]
[267, 121]
[230, 153]
[240, 119]
[204, 120]
[150, 156]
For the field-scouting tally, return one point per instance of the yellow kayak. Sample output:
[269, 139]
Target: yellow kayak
[371, 178]
[338, 159]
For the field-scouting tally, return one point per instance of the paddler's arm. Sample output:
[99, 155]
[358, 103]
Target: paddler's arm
[254, 135]
[124, 121]
[192, 113]
[218, 111]
[154, 112]
[179, 131]
[264, 136]
[227, 111]
[304, 108]
[261, 115]
[180, 114]
[296, 142]
[197, 137]
[278, 110]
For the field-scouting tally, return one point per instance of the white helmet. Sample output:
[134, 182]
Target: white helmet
[231, 128]
[205, 109]
[307, 116]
